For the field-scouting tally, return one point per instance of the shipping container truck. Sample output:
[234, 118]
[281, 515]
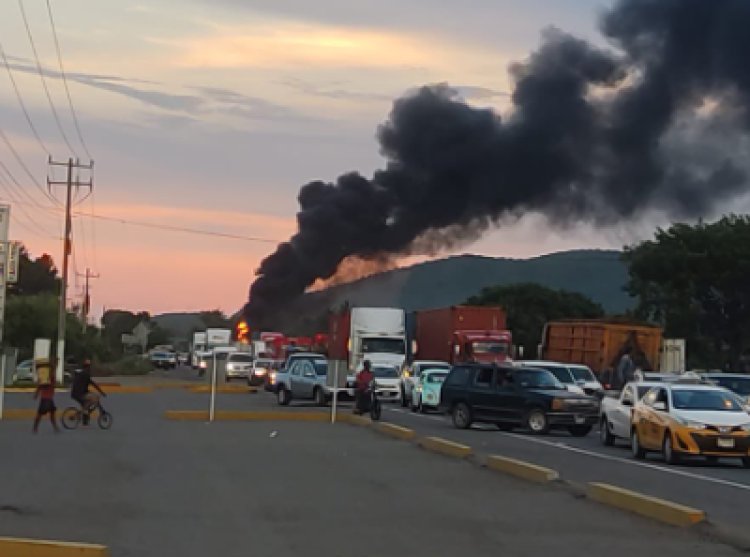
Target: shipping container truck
[274, 344]
[600, 344]
[375, 334]
[218, 337]
[462, 334]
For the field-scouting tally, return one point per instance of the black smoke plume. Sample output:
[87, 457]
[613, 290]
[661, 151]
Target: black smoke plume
[586, 140]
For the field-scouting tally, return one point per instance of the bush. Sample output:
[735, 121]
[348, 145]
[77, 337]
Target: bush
[128, 365]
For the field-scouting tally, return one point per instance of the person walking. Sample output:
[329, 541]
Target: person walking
[45, 392]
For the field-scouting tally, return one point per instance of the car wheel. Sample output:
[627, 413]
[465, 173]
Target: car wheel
[320, 397]
[412, 406]
[580, 430]
[605, 434]
[670, 456]
[635, 445]
[461, 416]
[283, 396]
[537, 422]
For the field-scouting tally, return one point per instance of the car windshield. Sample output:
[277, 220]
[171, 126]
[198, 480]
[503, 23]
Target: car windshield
[245, 358]
[436, 378]
[705, 399]
[537, 379]
[384, 372]
[321, 367]
[562, 374]
[740, 385]
[489, 347]
[642, 391]
[383, 345]
[582, 373]
[265, 364]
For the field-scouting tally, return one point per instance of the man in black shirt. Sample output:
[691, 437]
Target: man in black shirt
[79, 390]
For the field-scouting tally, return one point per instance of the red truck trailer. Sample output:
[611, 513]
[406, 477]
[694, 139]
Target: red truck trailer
[463, 334]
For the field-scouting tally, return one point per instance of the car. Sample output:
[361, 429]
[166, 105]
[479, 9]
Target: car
[426, 394]
[263, 372]
[683, 418]
[410, 376]
[615, 411]
[511, 397]
[239, 365]
[387, 380]
[304, 377]
[586, 379]
[561, 371]
[163, 360]
[738, 383]
[24, 372]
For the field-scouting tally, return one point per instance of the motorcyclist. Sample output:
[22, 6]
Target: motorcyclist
[364, 379]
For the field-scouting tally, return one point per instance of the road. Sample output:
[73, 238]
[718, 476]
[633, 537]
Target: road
[153, 487]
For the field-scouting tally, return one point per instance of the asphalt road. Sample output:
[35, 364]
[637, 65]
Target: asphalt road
[151, 487]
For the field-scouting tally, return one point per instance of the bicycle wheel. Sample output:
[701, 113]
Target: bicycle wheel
[105, 419]
[71, 417]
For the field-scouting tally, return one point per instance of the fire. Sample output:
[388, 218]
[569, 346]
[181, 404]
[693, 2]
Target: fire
[354, 268]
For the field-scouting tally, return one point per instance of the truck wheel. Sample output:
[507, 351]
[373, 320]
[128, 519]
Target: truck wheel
[605, 434]
[462, 416]
[537, 422]
[283, 396]
[320, 397]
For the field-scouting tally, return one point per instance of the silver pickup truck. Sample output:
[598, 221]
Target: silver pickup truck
[304, 378]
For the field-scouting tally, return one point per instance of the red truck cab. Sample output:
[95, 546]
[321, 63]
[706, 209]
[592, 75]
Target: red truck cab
[484, 347]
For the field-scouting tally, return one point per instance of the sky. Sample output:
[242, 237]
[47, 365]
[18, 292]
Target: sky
[209, 115]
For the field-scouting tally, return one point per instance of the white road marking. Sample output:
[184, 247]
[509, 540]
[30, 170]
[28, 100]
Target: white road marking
[676, 472]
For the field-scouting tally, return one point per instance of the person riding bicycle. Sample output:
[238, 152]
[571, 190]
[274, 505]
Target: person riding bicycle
[80, 392]
[364, 379]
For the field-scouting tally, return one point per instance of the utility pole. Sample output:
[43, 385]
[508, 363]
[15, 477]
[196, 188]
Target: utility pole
[69, 184]
[86, 306]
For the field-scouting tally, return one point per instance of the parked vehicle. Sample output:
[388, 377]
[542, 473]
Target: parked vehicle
[411, 374]
[561, 371]
[678, 419]
[599, 344]
[239, 365]
[163, 360]
[304, 378]
[426, 394]
[459, 334]
[616, 411]
[24, 372]
[513, 397]
[375, 334]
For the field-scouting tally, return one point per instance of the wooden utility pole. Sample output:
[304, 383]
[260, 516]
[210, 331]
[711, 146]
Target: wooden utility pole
[86, 306]
[69, 184]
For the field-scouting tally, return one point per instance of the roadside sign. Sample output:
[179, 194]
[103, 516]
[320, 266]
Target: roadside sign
[11, 273]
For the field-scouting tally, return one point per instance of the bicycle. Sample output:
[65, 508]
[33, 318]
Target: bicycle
[73, 415]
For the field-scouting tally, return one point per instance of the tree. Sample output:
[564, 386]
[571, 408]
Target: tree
[35, 276]
[529, 306]
[693, 280]
[215, 319]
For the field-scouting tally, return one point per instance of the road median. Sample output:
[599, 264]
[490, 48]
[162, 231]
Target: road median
[247, 416]
[18, 414]
[20, 547]
[644, 505]
[396, 431]
[521, 469]
[223, 389]
[445, 447]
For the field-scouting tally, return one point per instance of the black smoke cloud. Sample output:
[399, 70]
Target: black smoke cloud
[584, 141]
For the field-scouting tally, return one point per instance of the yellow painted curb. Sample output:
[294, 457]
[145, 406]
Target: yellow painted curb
[224, 389]
[18, 547]
[521, 469]
[651, 507]
[18, 414]
[247, 416]
[396, 431]
[445, 447]
[353, 419]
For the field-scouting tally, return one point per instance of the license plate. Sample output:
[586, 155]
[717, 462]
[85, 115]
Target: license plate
[725, 443]
[580, 419]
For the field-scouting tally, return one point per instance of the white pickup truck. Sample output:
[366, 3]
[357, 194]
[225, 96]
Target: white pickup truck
[615, 411]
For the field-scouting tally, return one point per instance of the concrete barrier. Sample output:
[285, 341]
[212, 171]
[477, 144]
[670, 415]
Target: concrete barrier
[20, 414]
[521, 469]
[19, 547]
[393, 430]
[353, 419]
[247, 416]
[445, 447]
[644, 505]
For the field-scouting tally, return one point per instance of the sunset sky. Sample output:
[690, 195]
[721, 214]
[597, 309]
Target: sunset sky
[210, 115]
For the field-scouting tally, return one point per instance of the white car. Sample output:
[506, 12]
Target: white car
[410, 376]
[239, 365]
[426, 393]
[585, 378]
[24, 372]
[615, 412]
[560, 371]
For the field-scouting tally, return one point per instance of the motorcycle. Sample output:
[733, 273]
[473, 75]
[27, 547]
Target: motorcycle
[370, 403]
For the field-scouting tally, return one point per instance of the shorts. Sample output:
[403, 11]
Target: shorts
[45, 406]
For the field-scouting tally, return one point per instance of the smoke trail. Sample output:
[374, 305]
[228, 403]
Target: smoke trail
[586, 140]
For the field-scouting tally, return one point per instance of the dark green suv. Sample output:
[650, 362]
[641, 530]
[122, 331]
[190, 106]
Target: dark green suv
[513, 397]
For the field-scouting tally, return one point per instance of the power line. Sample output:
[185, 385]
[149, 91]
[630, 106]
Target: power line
[24, 167]
[44, 81]
[8, 187]
[65, 81]
[21, 103]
